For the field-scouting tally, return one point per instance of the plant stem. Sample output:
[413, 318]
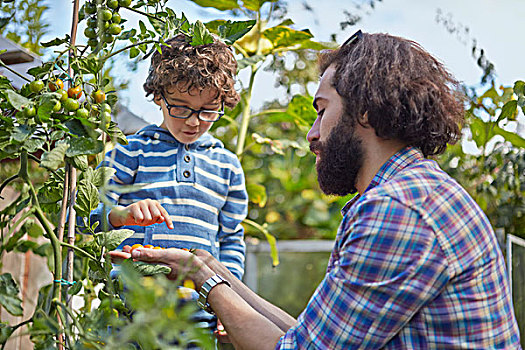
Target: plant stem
[144, 14]
[104, 59]
[80, 250]
[6, 182]
[243, 130]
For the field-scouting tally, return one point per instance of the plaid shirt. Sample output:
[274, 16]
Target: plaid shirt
[416, 265]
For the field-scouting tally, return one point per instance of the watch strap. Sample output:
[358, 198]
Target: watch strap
[210, 283]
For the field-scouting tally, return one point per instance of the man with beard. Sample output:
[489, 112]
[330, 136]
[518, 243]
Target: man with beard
[416, 264]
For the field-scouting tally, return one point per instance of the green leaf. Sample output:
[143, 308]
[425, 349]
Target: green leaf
[55, 42]
[102, 175]
[116, 134]
[519, 87]
[147, 269]
[514, 139]
[302, 111]
[80, 162]
[257, 194]
[84, 146]
[9, 295]
[53, 159]
[201, 35]
[127, 34]
[16, 100]
[508, 111]
[21, 133]
[134, 52]
[42, 70]
[255, 5]
[233, 31]
[46, 105]
[142, 27]
[221, 5]
[5, 332]
[248, 61]
[87, 198]
[112, 239]
[281, 36]
[34, 144]
[90, 65]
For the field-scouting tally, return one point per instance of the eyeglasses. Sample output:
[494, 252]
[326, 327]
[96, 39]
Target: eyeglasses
[354, 38]
[183, 112]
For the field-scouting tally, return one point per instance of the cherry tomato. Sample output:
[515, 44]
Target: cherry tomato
[82, 113]
[75, 91]
[135, 246]
[116, 18]
[105, 119]
[112, 4]
[37, 85]
[55, 85]
[99, 96]
[71, 104]
[57, 107]
[63, 95]
[158, 248]
[107, 38]
[92, 22]
[29, 111]
[105, 14]
[124, 3]
[90, 8]
[90, 33]
[105, 107]
[148, 246]
[93, 43]
[114, 29]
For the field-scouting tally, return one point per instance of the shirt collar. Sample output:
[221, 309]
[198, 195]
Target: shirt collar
[392, 166]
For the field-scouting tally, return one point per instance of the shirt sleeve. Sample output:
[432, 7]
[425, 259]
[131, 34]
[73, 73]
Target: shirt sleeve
[232, 248]
[386, 265]
[125, 163]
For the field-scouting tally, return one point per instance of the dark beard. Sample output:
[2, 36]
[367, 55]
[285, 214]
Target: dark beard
[341, 158]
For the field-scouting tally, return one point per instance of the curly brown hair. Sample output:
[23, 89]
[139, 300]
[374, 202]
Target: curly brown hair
[189, 68]
[407, 94]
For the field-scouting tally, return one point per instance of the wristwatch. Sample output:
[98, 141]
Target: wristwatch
[205, 290]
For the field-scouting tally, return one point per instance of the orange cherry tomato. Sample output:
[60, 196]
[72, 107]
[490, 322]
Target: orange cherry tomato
[55, 85]
[148, 246]
[99, 96]
[135, 246]
[75, 91]
[158, 248]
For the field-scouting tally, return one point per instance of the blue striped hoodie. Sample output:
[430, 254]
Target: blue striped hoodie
[201, 185]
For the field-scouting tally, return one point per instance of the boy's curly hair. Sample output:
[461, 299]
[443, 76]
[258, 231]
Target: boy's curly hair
[187, 67]
[407, 94]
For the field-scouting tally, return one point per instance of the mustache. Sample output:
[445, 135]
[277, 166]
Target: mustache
[315, 146]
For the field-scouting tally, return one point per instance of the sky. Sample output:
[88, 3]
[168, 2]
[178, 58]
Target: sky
[498, 26]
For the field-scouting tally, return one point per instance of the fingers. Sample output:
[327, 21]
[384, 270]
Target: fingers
[147, 212]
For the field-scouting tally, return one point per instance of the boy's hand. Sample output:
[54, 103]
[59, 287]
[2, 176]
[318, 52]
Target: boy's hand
[143, 213]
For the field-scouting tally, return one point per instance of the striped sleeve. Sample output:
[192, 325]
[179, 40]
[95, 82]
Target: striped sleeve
[231, 233]
[383, 277]
[125, 162]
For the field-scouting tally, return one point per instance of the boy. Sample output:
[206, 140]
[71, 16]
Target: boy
[192, 192]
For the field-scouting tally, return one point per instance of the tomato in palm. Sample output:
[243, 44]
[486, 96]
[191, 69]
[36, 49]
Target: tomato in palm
[99, 96]
[75, 91]
[135, 246]
[36, 86]
[148, 246]
[71, 104]
[55, 85]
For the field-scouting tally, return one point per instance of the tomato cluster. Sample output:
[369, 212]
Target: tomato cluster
[68, 104]
[103, 21]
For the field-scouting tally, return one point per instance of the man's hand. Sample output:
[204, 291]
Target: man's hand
[143, 213]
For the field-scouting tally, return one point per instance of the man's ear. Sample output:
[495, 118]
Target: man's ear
[363, 120]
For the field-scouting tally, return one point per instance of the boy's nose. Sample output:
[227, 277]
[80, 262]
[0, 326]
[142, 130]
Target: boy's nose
[193, 120]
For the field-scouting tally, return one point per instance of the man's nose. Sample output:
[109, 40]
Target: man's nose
[313, 134]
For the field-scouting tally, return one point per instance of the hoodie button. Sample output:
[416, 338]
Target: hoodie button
[186, 174]
[187, 147]
[187, 158]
